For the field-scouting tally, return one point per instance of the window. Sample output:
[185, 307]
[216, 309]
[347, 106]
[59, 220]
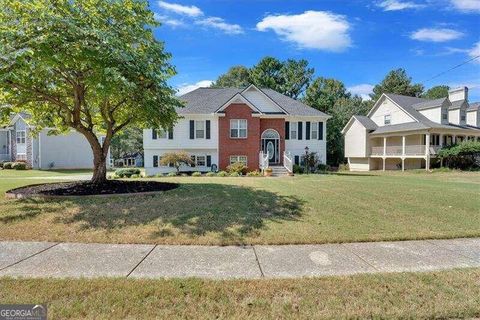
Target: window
[293, 130]
[21, 157]
[241, 159]
[200, 129]
[463, 117]
[238, 128]
[21, 137]
[201, 161]
[314, 131]
[387, 119]
[445, 116]
[155, 161]
[161, 134]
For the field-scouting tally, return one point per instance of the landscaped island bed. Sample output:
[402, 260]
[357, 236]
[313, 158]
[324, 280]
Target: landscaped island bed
[207, 211]
[447, 294]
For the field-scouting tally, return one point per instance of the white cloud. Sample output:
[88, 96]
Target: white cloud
[436, 35]
[466, 5]
[320, 30]
[186, 87]
[219, 23]
[168, 20]
[191, 11]
[475, 52]
[395, 5]
[363, 90]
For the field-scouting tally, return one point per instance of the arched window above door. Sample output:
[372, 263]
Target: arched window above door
[270, 134]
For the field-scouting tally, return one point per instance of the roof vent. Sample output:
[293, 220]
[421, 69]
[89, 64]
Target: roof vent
[458, 94]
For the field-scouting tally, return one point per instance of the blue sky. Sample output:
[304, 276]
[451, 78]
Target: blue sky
[355, 41]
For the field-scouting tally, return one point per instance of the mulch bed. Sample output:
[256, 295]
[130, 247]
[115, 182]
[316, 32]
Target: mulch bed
[86, 188]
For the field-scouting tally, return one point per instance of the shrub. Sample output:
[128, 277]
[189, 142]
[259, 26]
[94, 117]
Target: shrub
[171, 174]
[343, 167]
[222, 174]
[255, 173]
[127, 172]
[1, 163]
[176, 159]
[298, 169]
[159, 175]
[19, 166]
[323, 168]
[237, 167]
[7, 165]
[135, 176]
[196, 174]
[211, 174]
[465, 155]
[234, 174]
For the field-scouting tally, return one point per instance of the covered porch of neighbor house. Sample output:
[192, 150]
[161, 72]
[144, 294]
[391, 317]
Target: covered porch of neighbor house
[5, 145]
[413, 150]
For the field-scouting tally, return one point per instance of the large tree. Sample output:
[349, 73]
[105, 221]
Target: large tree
[324, 92]
[129, 140]
[436, 92]
[89, 65]
[267, 74]
[296, 77]
[398, 82]
[236, 77]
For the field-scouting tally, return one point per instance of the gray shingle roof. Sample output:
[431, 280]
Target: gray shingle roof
[409, 126]
[366, 122]
[456, 104]
[209, 100]
[429, 104]
[474, 106]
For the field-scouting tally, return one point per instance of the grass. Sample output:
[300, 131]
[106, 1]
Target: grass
[446, 294]
[302, 209]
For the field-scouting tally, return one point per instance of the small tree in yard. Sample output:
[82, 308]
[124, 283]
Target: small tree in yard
[89, 65]
[176, 159]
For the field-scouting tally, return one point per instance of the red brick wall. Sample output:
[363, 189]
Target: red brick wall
[276, 124]
[249, 147]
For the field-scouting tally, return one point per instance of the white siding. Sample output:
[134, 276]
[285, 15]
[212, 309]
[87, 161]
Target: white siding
[356, 140]
[68, 151]
[387, 107]
[433, 114]
[454, 116]
[473, 118]
[150, 170]
[259, 100]
[297, 147]
[359, 164]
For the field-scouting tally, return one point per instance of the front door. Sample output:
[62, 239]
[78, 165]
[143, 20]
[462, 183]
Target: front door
[272, 147]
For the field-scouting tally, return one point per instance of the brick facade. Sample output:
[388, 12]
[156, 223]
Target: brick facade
[251, 145]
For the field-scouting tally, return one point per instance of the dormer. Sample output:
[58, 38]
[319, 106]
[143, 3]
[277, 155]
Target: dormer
[457, 112]
[434, 110]
[473, 115]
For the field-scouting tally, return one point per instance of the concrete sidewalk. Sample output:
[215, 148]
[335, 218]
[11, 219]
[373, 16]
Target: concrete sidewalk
[43, 259]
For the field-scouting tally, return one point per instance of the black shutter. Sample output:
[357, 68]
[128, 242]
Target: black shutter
[300, 130]
[192, 129]
[193, 161]
[287, 130]
[155, 161]
[154, 134]
[297, 160]
[320, 131]
[307, 130]
[170, 133]
[209, 161]
[207, 128]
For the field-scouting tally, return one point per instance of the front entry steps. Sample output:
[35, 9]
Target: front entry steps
[279, 171]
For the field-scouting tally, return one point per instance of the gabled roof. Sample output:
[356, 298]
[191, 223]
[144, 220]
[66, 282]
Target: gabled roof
[209, 100]
[474, 106]
[366, 122]
[457, 104]
[429, 104]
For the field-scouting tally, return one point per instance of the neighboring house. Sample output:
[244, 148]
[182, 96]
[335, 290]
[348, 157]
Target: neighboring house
[43, 151]
[402, 132]
[259, 127]
[134, 159]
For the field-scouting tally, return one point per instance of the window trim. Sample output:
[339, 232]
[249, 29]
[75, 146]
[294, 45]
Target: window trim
[24, 136]
[205, 160]
[195, 122]
[385, 119]
[238, 128]
[294, 128]
[314, 125]
[238, 159]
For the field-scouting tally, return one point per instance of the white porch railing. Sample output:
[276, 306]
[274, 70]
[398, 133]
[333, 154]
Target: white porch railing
[263, 159]
[287, 161]
[410, 150]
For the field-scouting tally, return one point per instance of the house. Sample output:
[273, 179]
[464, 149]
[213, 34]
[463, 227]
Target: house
[43, 151]
[403, 132]
[132, 159]
[258, 127]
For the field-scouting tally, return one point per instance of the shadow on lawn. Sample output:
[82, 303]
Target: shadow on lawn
[229, 211]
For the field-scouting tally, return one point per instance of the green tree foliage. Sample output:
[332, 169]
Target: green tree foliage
[177, 159]
[296, 77]
[236, 77]
[398, 82]
[90, 65]
[323, 93]
[465, 155]
[267, 74]
[129, 140]
[436, 92]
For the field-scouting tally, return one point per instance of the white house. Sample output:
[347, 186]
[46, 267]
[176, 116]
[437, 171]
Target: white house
[402, 132]
[259, 127]
[43, 151]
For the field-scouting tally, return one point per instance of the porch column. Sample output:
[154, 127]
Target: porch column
[403, 145]
[403, 164]
[383, 163]
[427, 151]
[440, 143]
[384, 146]
[454, 139]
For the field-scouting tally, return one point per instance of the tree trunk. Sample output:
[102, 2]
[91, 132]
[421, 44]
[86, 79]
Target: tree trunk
[100, 168]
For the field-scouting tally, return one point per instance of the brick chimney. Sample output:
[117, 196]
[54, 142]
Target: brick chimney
[458, 94]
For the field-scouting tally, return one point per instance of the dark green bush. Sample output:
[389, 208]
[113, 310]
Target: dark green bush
[465, 155]
[7, 165]
[127, 172]
[19, 166]
[298, 169]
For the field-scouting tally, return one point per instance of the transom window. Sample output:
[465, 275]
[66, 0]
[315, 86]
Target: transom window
[21, 136]
[314, 131]
[293, 130]
[387, 119]
[238, 128]
[200, 129]
[241, 159]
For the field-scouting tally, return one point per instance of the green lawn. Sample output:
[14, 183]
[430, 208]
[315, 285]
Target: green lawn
[448, 294]
[302, 209]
